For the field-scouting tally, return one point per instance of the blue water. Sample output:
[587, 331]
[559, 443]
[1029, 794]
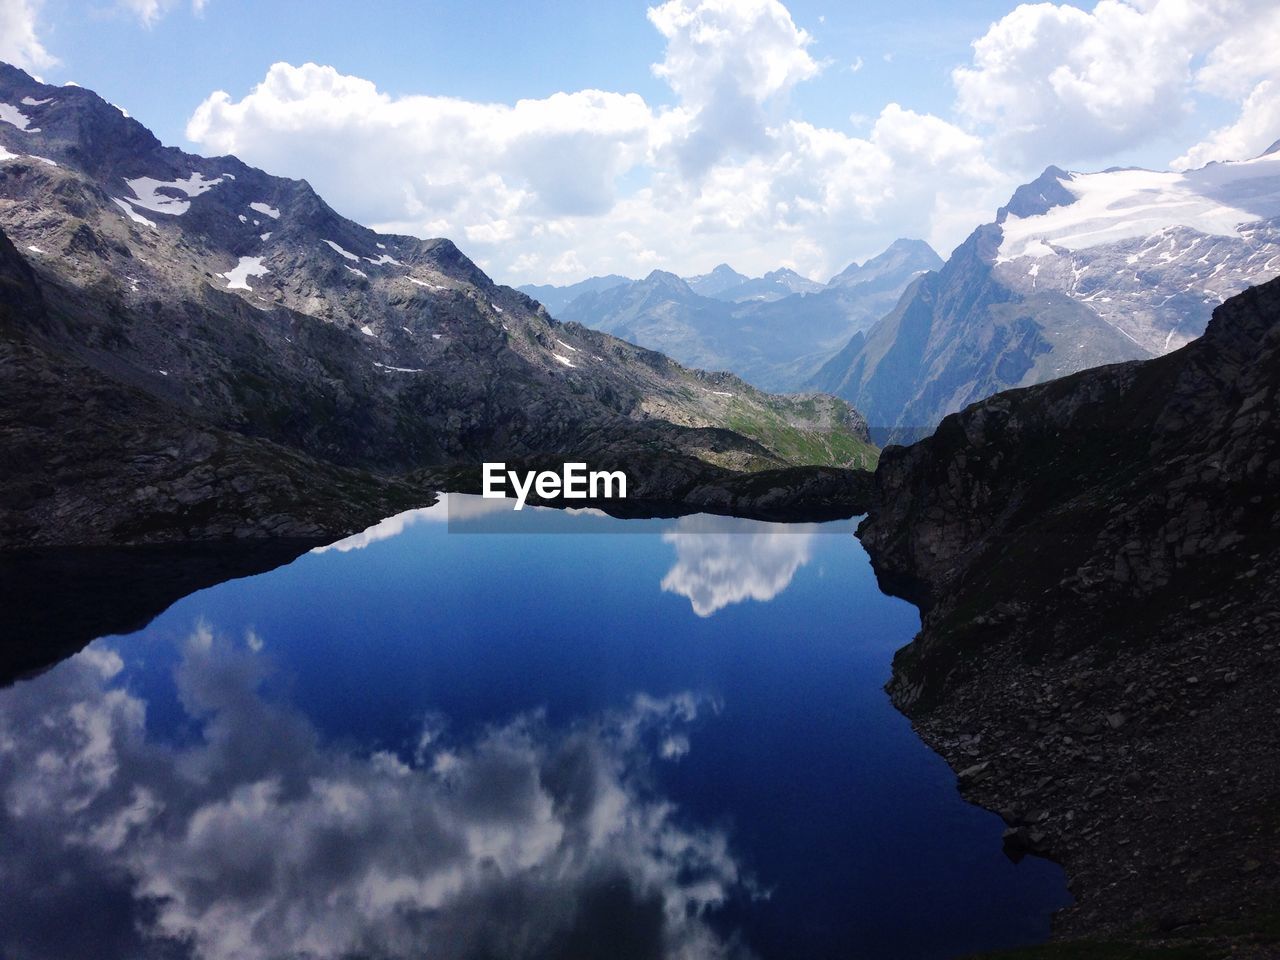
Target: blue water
[439, 743]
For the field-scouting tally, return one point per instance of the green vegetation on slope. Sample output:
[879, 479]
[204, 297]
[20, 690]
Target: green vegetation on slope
[802, 432]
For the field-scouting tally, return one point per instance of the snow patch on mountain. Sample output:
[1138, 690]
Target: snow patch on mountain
[12, 115]
[133, 214]
[146, 192]
[341, 252]
[265, 209]
[238, 276]
[1126, 204]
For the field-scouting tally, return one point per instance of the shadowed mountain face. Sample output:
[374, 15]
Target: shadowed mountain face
[1078, 270]
[194, 349]
[1097, 564]
[773, 331]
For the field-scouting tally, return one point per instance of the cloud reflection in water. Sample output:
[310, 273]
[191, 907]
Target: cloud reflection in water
[259, 840]
[721, 561]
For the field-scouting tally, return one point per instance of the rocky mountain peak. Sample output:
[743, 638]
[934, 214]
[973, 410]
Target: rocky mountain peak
[895, 264]
[665, 280]
[1039, 196]
[723, 277]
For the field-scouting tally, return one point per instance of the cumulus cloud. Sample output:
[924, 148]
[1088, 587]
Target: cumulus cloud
[1059, 80]
[1256, 129]
[19, 36]
[1055, 83]
[1245, 65]
[727, 60]
[596, 181]
[254, 838]
[716, 567]
[468, 165]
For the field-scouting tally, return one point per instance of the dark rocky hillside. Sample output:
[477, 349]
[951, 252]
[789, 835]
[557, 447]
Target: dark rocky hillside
[192, 349]
[1097, 562]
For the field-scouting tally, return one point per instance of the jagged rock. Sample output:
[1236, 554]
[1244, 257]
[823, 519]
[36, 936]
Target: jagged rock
[1034, 488]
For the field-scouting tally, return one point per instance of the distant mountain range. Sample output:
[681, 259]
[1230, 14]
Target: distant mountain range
[774, 331]
[1076, 271]
[191, 349]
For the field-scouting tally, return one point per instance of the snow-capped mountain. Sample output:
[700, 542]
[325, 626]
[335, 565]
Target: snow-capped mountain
[1079, 269]
[1152, 253]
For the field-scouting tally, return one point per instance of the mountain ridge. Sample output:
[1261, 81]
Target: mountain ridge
[774, 331]
[1076, 270]
[212, 299]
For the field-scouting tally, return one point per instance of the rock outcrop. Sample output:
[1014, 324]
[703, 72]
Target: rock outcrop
[1097, 563]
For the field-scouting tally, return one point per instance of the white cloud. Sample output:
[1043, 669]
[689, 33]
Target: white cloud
[1256, 129]
[1052, 83]
[1245, 65]
[254, 838]
[598, 182]
[19, 36]
[727, 60]
[1056, 79]
[476, 166]
[1249, 52]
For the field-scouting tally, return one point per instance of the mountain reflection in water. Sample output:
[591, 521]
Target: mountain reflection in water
[419, 743]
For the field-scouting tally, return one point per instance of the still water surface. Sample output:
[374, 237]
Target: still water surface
[423, 742]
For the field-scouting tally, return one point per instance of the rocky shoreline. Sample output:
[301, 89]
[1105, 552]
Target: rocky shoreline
[1096, 562]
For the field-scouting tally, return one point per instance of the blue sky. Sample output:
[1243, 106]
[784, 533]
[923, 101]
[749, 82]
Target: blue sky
[803, 134]
[494, 51]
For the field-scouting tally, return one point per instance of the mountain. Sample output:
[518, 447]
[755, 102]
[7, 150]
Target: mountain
[1076, 270]
[556, 298]
[720, 279]
[774, 285]
[193, 349]
[1097, 564]
[774, 331]
[903, 258]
